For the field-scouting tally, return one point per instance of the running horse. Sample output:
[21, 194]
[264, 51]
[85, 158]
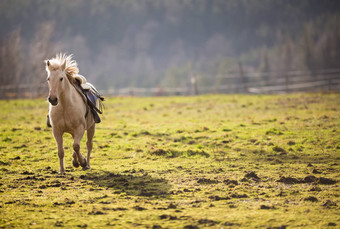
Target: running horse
[73, 107]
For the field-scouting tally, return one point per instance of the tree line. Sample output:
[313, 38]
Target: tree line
[149, 43]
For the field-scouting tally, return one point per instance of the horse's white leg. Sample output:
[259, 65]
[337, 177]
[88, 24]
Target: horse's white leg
[59, 139]
[90, 134]
[76, 146]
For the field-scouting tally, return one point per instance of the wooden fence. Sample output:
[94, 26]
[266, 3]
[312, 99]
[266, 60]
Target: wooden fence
[248, 83]
[23, 91]
[233, 82]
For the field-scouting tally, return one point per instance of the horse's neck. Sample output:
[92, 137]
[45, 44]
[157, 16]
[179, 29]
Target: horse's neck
[70, 96]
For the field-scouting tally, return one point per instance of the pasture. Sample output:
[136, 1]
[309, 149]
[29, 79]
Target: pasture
[219, 161]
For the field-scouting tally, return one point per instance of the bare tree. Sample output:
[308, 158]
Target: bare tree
[10, 59]
[40, 48]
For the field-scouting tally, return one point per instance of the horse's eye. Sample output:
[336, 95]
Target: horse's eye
[61, 79]
[48, 78]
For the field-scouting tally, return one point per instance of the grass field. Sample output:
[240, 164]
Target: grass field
[219, 161]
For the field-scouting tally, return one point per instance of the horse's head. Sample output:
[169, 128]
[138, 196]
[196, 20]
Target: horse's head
[57, 79]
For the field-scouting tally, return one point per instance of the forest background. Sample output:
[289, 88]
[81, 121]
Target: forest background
[145, 43]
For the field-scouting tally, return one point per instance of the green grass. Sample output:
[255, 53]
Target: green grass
[219, 161]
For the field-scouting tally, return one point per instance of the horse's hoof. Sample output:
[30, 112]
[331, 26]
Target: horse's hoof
[84, 164]
[62, 173]
[75, 163]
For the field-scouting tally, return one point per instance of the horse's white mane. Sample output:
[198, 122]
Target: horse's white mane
[71, 66]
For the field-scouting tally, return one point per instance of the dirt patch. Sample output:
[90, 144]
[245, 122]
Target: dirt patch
[207, 222]
[5, 163]
[239, 195]
[32, 178]
[139, 208]
[289, 180]
[329, 204]
[97, 213]
[217, 198]
[172, 206]
[168, 217]
[171, 153]
[191, 227]
[114, 209]
[159, 152]
[311, 199]
[315, 189]
[315, 171]
[324, 180]
[266, 207]
[20, 147]
[307, 179]
[291, 143]
[230, 224]
[279, 150]
[207, 181]
[252, 175]
[59, 224]
[230, 182]
[27, 173]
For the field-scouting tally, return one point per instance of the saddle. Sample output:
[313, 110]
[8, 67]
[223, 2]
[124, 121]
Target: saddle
[92, 97]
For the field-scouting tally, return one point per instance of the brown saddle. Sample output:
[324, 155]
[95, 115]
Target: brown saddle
[91, 96]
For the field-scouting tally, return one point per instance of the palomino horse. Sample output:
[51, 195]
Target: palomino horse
[68, 110]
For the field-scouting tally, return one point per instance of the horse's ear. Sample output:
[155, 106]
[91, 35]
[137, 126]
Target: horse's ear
[48, 65]
[63, 66]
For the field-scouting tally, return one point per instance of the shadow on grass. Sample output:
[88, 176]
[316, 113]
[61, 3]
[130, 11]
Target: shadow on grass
[137, 185]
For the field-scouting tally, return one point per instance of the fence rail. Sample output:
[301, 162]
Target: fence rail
[242, 82]
[256, 83]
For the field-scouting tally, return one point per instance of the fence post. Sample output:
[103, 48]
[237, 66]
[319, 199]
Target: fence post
[287, 82]
[194, 82]
[131, 91]
[244, 83]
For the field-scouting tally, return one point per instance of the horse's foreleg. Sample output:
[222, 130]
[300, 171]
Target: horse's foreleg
[76, 147]
[75, 161]
[90, 134]
[59, 139]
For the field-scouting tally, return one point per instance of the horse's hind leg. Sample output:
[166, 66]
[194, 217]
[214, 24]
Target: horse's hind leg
[76, 147]
[90, 134]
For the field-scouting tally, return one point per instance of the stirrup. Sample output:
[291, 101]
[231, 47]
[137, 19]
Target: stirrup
[95, 116]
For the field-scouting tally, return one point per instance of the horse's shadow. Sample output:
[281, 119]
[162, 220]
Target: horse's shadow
[137, 185]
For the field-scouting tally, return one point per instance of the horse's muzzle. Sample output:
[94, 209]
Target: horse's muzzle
[53, 101]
